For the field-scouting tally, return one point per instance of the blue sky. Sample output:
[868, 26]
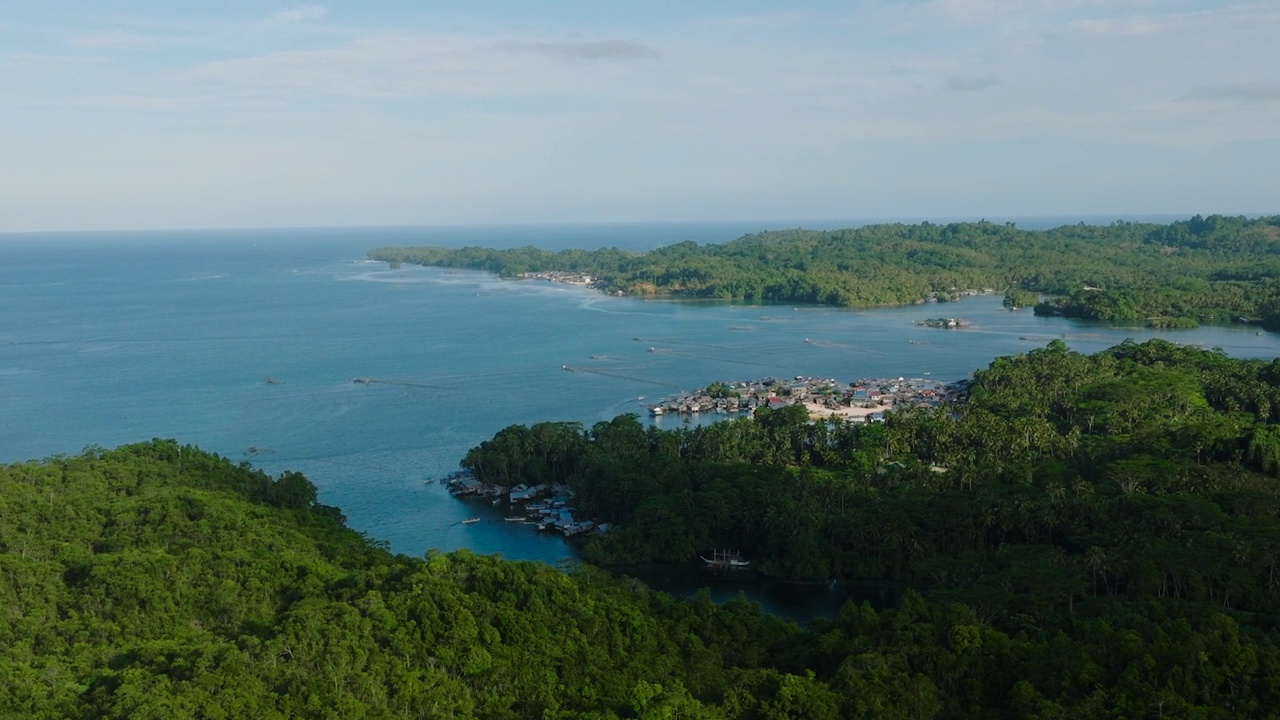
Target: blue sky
[120, 114]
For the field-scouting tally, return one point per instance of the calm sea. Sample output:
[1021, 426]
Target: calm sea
[246, 344]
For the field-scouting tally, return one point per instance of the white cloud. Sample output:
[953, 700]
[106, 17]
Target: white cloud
[114, 40]
[295, 15]
[712, 113]
[611, 49]
[428, 65]
[971, 84]
[1245, 92]
[48, 62]
[374, 66]
[1117, 26]
[969, 11]
[770, 91]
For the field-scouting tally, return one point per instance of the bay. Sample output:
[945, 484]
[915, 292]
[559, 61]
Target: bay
[246, 343]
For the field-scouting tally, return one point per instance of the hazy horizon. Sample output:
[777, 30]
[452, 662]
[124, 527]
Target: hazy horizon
[1027, 222]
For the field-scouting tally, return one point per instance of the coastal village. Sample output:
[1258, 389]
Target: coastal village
[946, 323]
[566, 278]
[862, 400]
[548, 507]
[543, 506]
[569, 277]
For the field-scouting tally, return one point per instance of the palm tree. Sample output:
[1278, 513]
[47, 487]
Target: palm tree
[1096, 559]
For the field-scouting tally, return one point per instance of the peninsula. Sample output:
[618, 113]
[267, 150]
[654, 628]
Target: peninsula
[1206, 269]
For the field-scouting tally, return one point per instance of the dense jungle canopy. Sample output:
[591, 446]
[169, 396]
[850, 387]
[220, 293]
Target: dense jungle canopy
[1084, 536]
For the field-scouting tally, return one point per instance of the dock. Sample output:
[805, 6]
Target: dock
[545, 506]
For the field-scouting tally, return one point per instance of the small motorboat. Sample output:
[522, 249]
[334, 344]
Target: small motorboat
[471, 521]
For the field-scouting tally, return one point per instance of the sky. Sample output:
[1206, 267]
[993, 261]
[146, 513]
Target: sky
[142, 114]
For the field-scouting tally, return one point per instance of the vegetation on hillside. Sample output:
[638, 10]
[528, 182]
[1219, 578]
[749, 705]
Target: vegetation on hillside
[1113, 500]
[159, 581]
[1085, 536]
[1217, 269]
[1047, 448]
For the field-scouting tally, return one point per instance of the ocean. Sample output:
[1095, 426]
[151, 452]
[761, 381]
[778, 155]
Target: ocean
[246, 343]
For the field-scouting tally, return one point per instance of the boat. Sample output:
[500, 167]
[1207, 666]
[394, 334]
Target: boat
[656, 410]
[515, 518]
[428, 481]
[725, 559]
[471, 521]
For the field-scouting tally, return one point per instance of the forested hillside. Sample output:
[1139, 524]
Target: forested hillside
[1216, 269]
[159, 581]
[1132, 493]
[1086, 536]
[1055, 459]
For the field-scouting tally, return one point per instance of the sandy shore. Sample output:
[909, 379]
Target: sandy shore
[817, 411]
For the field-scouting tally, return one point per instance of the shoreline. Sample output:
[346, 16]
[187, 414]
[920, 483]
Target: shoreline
[860, 400]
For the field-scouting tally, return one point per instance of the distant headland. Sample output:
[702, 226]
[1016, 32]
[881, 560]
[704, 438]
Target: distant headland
[1214, 269]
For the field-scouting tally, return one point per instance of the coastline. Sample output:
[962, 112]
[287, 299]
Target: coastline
[861, 400]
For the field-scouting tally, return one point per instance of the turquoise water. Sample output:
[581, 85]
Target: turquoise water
[114, 338]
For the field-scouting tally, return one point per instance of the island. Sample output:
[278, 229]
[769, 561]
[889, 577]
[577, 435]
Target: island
[1214, 269]
[947, 323]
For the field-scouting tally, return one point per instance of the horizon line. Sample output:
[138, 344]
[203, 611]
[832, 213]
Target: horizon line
[861, 221]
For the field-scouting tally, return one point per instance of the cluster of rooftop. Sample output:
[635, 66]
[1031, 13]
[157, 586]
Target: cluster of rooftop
[568, 278]
[545, 506]
[944, 322]
[862, 400]
[954, 294]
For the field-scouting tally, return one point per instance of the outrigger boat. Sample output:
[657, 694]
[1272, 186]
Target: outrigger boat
[722, 559]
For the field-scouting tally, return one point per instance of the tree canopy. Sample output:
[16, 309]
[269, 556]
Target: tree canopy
[1216, 269]
[1083, 536]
